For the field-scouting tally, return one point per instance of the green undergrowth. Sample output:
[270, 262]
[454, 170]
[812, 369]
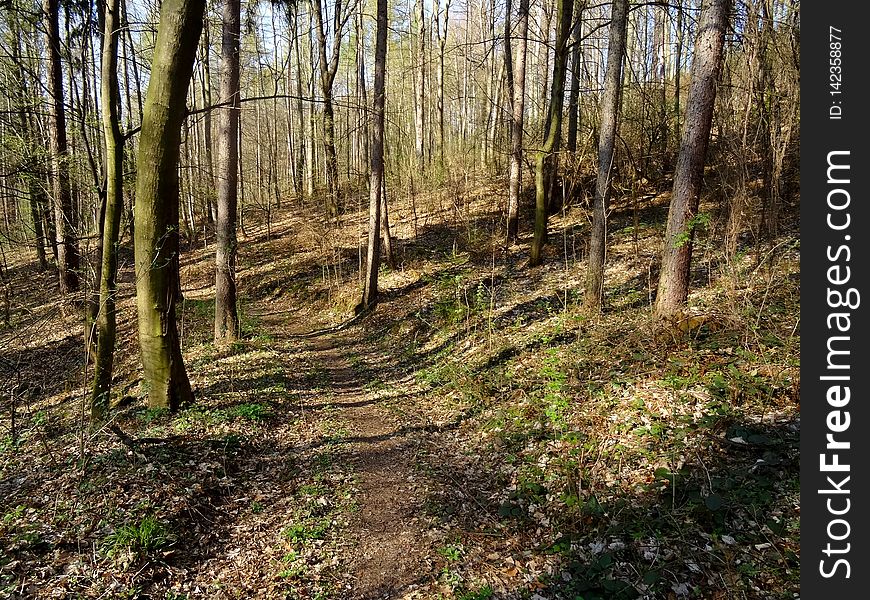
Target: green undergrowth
[622, 448]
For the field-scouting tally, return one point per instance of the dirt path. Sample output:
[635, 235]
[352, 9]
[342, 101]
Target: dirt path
[390, 545]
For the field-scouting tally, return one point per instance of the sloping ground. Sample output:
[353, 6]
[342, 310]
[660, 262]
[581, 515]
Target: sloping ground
[477, 437]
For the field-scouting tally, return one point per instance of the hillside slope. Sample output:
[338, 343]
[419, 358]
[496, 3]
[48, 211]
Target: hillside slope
[477, 437]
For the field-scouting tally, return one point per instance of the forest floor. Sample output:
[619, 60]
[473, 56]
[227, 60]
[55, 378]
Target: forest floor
[477, 437]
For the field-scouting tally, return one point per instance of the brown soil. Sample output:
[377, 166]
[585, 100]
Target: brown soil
[388, 552]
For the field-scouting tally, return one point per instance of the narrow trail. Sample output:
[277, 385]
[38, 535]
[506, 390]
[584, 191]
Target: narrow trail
[389, 547]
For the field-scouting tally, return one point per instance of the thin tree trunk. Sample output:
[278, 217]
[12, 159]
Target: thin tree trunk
[574, 93]
[328, 70]
[606, 145]
[420, 90]
[29, 179]
[673, 287]
[385, 222]
[517, 91]
[226, 319]
[363, 119]
[442, 43]
[65, 216]
[206, 121]
[678, 70]
[106, 319]
[553, 130]
[370, 286]
[302, 163]
[157, 200]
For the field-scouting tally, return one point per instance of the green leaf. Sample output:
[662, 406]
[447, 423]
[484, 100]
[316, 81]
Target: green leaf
[714, 502]
[651, 577]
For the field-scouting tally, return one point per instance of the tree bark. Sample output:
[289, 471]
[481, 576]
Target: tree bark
[364, 134]
[65, 215]
[370, 285]
[442, 43]
[301, 145]
[420, 91]
[226, 318]
[516, 81]
[553, 129]
[673, 287]
[328, 70]
[157, 203]
[205, 72]
[606, 145]
[114, 206]
[385, 223]
[574, 93]
[28, 130]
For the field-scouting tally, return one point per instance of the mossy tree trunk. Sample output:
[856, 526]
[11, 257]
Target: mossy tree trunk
[564, 9]
[606, 146]
[226, 319]
[673, 287]
[114, 206]
[157, 199]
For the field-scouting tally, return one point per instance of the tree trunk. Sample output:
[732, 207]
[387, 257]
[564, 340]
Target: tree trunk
[442, 43]
[157, 202]
[29, 178]
[574, 93]
[106, 319]
[553, 130]
[65, 215]
[328, 70]
[385, 223]
[370, 286]
[301, 146]
[226, 317]
[420, 91]
[673, 287]
[516, 75]
[206, 122]
[606, 144]
[678, 70]
[363, 154]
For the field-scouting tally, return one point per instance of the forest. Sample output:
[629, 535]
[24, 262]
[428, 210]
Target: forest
[400, 299]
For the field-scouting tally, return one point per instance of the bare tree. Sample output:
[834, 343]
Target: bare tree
[553, 128]
[516, 84]
[370, 285]
[65, 215]
[329, 48]
[226, 318]
[420, 89]
[606, 145]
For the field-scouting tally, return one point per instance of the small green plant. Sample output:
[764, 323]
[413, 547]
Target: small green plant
[14, 514]
[452, 552]
[142, 538]
[699, 221]
[306, 530]
[482, 593]
[251, 412]
[153, 414]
